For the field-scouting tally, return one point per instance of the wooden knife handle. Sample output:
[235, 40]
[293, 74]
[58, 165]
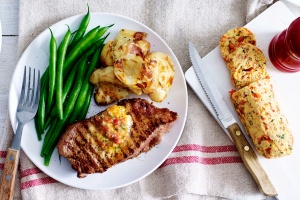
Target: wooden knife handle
[251, 161]
[9, 174]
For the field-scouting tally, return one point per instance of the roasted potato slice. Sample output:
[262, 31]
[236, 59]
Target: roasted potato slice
[107, 93]
[133, 71]
[151, 80]
[137, 91]
[140, 48]
[144, 45]
[105, 75]
[129, 36]
[130, 42]
[164, 75]
[106, 57]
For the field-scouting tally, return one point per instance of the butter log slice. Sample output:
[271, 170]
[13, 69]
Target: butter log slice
[247, 64]
[262, 119]
[233, 38]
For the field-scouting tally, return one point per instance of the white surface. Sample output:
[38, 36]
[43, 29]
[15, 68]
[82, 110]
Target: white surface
[36, 55]
[283, 172]
[295, 2]
[293, 5]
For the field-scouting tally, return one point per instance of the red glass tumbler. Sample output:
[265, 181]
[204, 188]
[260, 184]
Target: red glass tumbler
[284, 49]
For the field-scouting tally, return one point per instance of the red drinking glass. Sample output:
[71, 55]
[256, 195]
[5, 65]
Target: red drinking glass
[284, 49]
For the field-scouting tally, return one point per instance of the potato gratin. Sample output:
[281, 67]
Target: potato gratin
[127, 65]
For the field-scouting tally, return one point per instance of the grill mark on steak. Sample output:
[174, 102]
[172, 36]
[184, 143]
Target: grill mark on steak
[88, 151]
[85, 152]
[92, 154]
[106, 161]
[83, 156]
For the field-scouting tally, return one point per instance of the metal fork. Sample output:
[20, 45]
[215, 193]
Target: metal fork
[26, 110]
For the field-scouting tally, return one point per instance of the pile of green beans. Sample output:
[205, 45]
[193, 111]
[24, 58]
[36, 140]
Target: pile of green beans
[65, 84]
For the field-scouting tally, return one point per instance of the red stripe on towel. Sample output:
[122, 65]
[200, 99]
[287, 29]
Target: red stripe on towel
[169, 161]
[30, 171]
[2, 154]
[37, 182]
[205, 149]
[203, 161]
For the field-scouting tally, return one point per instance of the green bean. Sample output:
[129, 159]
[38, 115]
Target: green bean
[52, 117]
[66, 89]
[61, 53]
[80, 102]
[54, 136]
[37, 121]
[52, 140]
[52, 67]
[84, 110]
[85, 87]
[85, 46]
[70, 60]
[48, 134]
[79, 49]
[81, 30]
[37, 128]
[70, 79]
[86, 105]
[87, 102]
[41, 115]
[76, 88]
[85, 43]
[96, 46]
[47, 159]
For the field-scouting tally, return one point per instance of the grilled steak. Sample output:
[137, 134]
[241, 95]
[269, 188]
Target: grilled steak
[114, 135]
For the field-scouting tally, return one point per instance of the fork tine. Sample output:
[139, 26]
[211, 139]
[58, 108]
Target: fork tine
[33, 89]
[28, 87]
[23, 87]
[37, 93]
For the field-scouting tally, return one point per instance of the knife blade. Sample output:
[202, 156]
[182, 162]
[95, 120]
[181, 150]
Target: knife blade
[228, 121]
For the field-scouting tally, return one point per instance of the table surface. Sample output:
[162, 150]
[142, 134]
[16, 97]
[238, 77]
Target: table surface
[9, 16]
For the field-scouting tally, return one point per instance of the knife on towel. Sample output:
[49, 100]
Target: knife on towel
[228, 121]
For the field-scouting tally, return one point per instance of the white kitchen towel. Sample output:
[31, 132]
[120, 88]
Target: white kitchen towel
[255, 7]
[204, 164]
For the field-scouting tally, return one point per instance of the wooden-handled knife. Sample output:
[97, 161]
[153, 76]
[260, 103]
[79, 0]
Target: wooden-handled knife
[228, 121]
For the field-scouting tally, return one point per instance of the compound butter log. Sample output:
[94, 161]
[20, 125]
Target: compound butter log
[260, 115]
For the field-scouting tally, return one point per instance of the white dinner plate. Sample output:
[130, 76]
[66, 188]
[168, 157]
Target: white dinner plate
[36, 55]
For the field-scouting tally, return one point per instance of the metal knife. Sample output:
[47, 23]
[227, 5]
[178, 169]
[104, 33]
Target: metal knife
[228, 121]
